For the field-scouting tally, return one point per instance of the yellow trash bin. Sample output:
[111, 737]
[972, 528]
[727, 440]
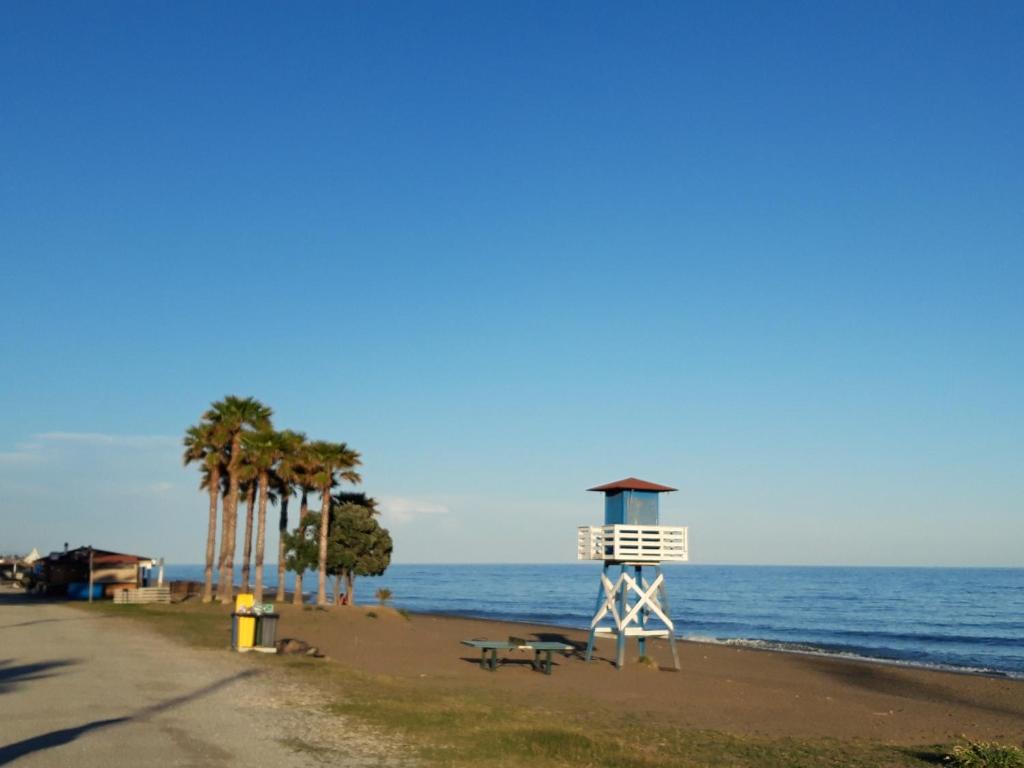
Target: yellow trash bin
[245, 632]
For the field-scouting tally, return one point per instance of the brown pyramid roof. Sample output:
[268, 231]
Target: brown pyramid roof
[632, 484]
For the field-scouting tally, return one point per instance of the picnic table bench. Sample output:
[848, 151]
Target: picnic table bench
[516, 644]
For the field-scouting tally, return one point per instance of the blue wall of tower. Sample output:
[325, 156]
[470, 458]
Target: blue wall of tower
[631, 508]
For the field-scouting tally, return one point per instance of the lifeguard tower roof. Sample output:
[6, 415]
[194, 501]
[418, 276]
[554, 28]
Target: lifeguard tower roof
[632, 484]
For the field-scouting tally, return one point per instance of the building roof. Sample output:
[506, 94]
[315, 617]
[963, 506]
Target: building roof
[632, 484]
[103, 557]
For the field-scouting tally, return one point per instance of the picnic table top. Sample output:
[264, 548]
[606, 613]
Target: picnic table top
[504, 645]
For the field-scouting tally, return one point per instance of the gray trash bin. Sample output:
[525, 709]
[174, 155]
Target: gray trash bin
[266, 630]
[234, 631]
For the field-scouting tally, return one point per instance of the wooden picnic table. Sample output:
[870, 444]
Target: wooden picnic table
[493, 646]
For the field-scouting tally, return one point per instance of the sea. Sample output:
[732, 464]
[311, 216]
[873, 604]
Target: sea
[964, 619]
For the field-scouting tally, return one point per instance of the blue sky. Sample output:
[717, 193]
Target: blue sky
[770, 253]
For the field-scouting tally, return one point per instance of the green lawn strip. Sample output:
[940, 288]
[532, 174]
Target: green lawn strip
[459, 727]
[462, 726]
[209, 627]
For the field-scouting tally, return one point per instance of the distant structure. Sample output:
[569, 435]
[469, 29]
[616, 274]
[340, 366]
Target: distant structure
[86, 571]
[17, 569]
[634, 602]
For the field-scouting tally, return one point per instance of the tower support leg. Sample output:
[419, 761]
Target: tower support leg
[620, 640]
[631, 602]
[641, 639]
[663, 599]
[597, 607]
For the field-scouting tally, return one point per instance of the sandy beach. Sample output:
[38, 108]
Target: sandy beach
[736, 690]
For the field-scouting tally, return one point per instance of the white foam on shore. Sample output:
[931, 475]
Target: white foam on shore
[810, 650]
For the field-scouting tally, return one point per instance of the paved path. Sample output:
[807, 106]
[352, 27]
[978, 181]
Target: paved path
[83, 691]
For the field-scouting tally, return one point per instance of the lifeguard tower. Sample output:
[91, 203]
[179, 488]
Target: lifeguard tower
[632, 539]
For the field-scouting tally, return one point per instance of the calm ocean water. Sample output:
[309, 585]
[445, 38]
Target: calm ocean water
[965, 618]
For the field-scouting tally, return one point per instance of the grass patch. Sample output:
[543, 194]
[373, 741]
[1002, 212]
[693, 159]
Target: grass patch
[463, 726]
[202, 626]
[985, 754]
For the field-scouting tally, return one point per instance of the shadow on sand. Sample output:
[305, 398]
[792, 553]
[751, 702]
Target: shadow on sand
[13, 675]
[892, 681]
[19, 749]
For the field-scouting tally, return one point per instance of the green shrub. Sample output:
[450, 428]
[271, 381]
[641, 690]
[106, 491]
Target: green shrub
[371, 615]
[985, 754]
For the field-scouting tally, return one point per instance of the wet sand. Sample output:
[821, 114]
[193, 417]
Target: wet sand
[737, 690]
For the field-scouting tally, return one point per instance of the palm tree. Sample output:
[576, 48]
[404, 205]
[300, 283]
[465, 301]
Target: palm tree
[264, 450]
[224, 487]
[285, 480]
[233, 414]
[304, 482]
[204, 444]
[327, 463]
[248, 475]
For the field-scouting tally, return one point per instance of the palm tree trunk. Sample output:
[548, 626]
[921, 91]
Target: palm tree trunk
[282, 529]
[350, 588]
[337, 588]
[225, 534]
[250, 504]
[325, 521]
[211, 536]
[261, 536]
[226, 588]
[297, 596]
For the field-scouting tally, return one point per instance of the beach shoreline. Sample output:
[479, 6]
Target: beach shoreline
[770, 645]
[951, 619]
[758, 644]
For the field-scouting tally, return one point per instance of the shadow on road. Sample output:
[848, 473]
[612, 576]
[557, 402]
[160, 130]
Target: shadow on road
[18, 749]
[20, 597]
[12, 675]
[50, 621]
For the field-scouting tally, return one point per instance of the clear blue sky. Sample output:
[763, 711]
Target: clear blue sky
[772, 254]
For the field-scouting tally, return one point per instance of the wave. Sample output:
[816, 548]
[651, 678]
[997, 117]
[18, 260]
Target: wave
[918, 637]
[852, 655]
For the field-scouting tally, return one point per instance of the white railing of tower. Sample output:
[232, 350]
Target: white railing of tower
[632, 543]
[630, 600]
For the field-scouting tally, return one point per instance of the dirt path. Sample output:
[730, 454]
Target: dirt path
[88, 691]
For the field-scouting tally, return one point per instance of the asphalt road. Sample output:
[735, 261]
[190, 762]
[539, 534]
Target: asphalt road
[83, 691]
